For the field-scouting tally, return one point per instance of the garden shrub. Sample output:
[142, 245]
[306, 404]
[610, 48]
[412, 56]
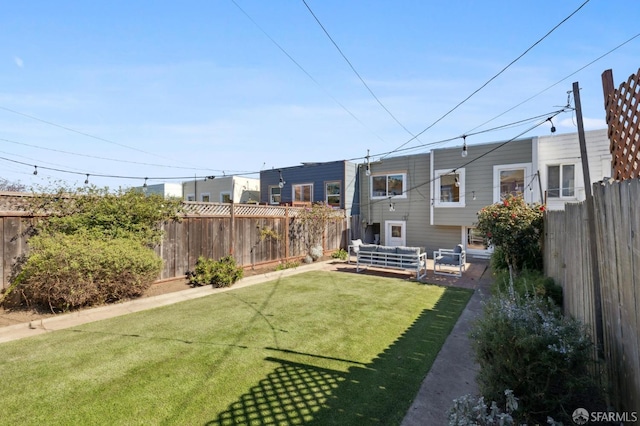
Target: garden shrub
[218, 273]
[316, 252]
[340, 254]
[287, 265]
[71, 271]
[529, 282]
[524, 344]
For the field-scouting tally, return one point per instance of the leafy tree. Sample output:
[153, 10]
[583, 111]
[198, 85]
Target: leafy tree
[515, 228]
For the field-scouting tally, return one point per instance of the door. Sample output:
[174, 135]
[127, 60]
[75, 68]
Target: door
[395, 233]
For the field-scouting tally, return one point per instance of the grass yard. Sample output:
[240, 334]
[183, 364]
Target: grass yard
[316, 348]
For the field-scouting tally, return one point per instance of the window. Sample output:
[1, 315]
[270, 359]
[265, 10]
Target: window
[392, 185]
[303, 192]
[332, 194]
[449, 188]
[205, 197]
[511, 182]
[191, 197]
[561, 181]
[275, 195]
[225, 197]
[512, 179]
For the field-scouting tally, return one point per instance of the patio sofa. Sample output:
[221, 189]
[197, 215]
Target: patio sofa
[406, 258]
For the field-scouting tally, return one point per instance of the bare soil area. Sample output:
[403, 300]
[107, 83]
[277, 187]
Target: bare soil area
[18, 316]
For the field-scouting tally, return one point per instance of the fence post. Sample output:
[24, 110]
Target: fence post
[232, 237]
[286, 232]
[593, 248]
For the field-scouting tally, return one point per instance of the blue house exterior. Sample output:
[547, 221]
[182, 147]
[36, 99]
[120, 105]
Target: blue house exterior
[335, 183]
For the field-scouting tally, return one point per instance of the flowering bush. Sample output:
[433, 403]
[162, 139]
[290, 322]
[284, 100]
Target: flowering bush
[515, 229]
[522, 343]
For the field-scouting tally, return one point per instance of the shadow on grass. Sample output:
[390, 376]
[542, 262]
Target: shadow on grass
[377, 393]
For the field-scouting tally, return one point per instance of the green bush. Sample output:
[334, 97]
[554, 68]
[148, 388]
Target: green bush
[524, 344]
[219, 273]
[340, 254]
[531, 283]
[70, 271]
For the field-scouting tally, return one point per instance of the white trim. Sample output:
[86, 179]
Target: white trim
[270, 194]
[433, 184]
[327, 195]
[205, 194]
[438, 187]
[528, 177]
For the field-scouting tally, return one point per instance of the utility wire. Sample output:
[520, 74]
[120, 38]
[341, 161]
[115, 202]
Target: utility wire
[115, 159]
[560, 81]
[296, 63]
[495, 76]
[356, 72]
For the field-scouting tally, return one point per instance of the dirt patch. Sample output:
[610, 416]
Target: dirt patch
[18, 316]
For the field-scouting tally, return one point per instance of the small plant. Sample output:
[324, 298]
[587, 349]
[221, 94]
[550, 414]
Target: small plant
[531, 283]
[218, 273]
[469, 410]
[287, 265]
[340, 254]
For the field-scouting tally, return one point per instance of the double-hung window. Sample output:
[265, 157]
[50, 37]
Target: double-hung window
[561, 181]
[389, 185]
[225, 197]
[511, 179]
[449, 188]
[303, 193]
[275, 193]
[332, 194]
[205, 197]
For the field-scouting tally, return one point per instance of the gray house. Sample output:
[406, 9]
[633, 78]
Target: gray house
[431, 200]
[334, 183]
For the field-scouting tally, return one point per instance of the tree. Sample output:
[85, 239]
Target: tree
[515, 229]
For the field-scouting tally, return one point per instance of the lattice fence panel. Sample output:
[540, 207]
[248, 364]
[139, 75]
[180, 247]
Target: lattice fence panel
[623, 120]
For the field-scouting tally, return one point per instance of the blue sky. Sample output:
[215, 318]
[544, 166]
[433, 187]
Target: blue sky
[195, 88]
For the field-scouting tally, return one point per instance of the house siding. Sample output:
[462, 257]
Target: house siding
[565, 149]
[241, 189]
[479, 176]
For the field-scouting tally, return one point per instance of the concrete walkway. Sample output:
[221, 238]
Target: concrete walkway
[451, 376]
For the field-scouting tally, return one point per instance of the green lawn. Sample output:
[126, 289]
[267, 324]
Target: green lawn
[315, 348]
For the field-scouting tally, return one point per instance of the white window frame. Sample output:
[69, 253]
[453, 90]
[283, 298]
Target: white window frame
[300, 185]
[205, 194]
[222, 194]
[437, 202]
[506, 167]
[191, 197]
[387, 195]
[575, 189]
[339, 194]
[271, 194]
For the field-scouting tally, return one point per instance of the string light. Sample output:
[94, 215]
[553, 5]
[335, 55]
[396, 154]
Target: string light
[473, 195]
[145, 183]
[368, 169]
[35, 171]
[464, 146]
[281, 182]
[86, 181]
[553, 128]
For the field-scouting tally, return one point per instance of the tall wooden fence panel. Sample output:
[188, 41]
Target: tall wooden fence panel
[618, 246]
[13, 243]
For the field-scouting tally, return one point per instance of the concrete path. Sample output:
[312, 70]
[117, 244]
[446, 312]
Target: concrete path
[451, 376]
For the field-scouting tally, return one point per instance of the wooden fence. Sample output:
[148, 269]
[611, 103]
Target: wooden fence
[566, 258]
[207, 229]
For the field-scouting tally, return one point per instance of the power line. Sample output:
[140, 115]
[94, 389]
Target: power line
[559, 81]
[356, 72]
[495, 76]
[296, 63]
[113, 159]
